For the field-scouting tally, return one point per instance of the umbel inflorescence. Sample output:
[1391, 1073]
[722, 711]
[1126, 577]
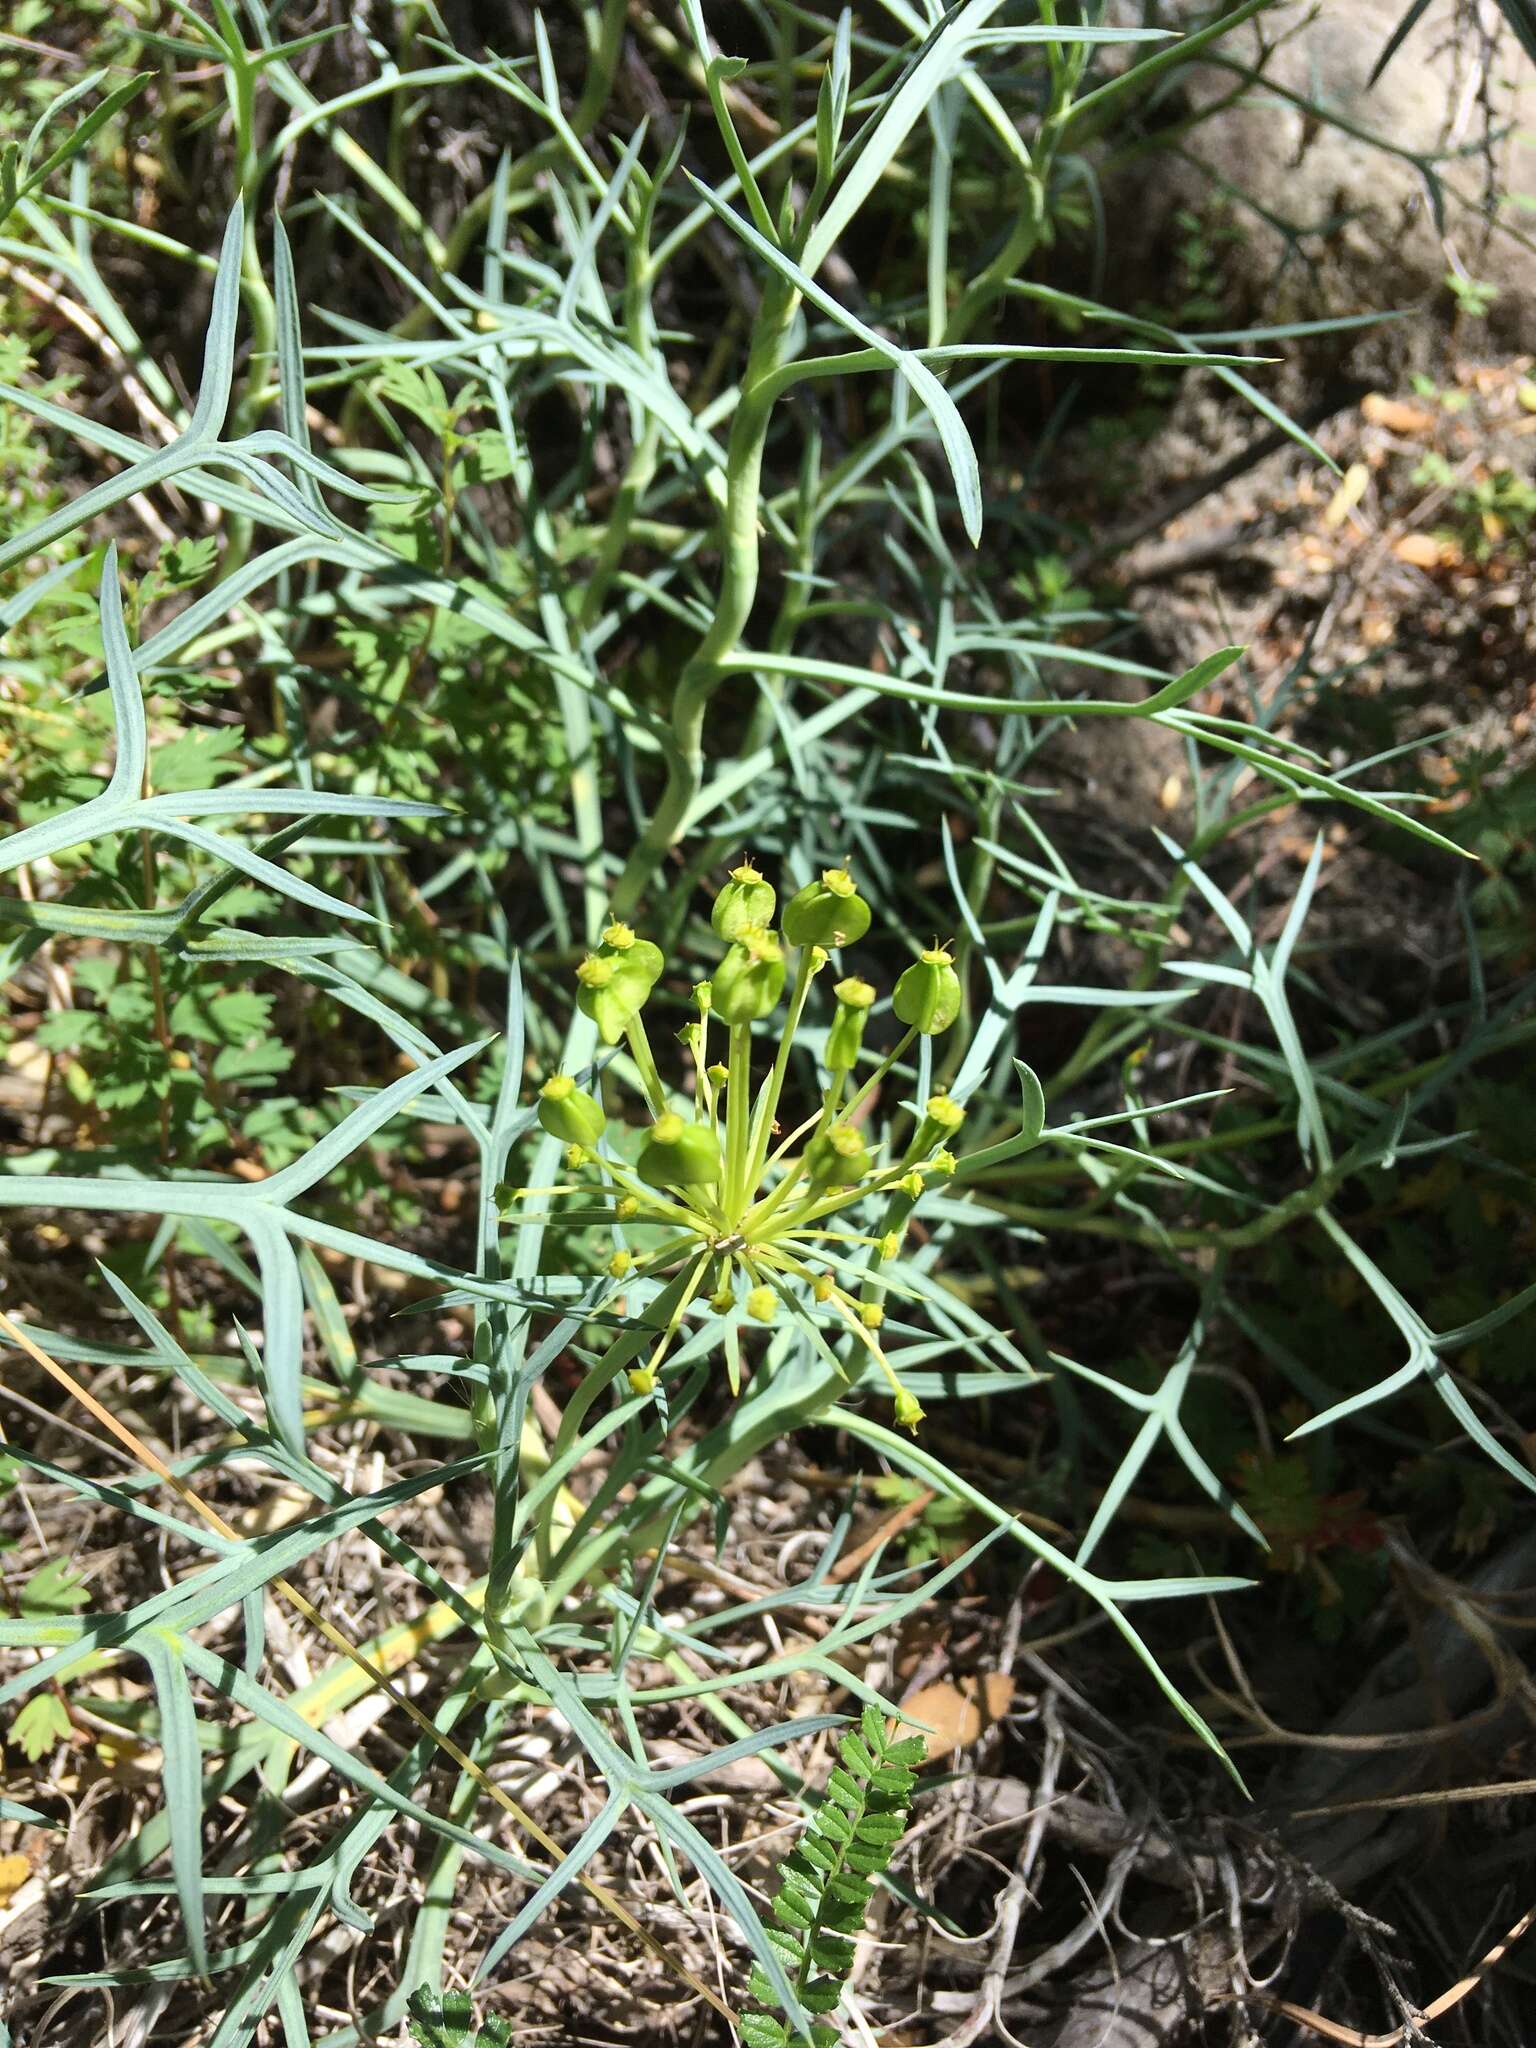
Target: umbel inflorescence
[758, 1219]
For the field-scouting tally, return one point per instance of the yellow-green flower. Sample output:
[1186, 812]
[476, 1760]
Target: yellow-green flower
[837, 1158]
[909, 1412]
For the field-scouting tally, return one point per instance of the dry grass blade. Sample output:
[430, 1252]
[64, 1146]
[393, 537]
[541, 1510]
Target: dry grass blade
[1351, 2037]
[152, 1462]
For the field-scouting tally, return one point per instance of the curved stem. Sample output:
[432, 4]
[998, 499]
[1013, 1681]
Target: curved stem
[705, 670]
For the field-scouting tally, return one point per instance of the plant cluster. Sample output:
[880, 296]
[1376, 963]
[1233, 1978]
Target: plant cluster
[436, 636]
[746, 1223]
[824, 1895]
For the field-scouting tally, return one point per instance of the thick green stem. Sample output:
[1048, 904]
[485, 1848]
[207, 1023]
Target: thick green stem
[738, 1093]
[705, 671]
[879, 1074]
[645, 1060]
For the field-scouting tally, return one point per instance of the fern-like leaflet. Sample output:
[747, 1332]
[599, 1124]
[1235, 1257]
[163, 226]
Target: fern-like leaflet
[449, 2022]
[825, 1891]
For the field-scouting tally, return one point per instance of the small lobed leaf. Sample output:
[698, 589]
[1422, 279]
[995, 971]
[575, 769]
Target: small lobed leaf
[888, 1784]
[844, 1789]
[449, 2022]
[833, 1953]
[834, 1822]
[53, 1589]
[881, 1827]
[856, 1756]
[760, 2030]
[821, 1994]
[791, 1911]
[846, 1915]
[40, 1727]
[759, 1986]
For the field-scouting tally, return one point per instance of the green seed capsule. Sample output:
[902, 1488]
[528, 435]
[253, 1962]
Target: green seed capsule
[909, 1411]
[927, 997]
[762, 1304]
[847, 1034]
[745, 900]
[750, 979]
[610, 998]
[679, 1155]
[838, 1158]
[569, 1113]
[830, 912]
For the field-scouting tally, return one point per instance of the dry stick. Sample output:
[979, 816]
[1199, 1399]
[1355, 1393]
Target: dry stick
[1351, 2037]
[892, 1525]
[1245, 1702]
[1449, 1795]
[1330, 2030]
[333, 1635]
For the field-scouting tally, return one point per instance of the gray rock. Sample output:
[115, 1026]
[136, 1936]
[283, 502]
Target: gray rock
[1333, 220]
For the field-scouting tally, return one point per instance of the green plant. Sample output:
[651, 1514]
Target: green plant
[594, 583]
[1493, 513]
[50, 1591]
[829, 1878]
[1473, 297]
[449, 2022]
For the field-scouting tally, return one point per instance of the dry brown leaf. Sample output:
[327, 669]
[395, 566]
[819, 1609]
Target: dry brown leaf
[1352, 488]
[1394, 415]
[14, 1872]
[959, 1710]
